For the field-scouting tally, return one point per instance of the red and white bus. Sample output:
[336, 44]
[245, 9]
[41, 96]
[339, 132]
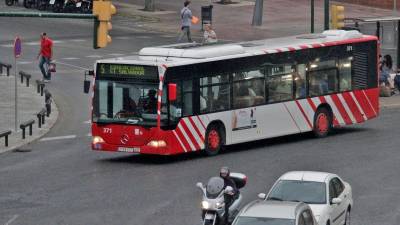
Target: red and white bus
[190, 97]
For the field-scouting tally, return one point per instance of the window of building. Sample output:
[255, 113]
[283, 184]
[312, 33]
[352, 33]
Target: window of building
[345, 74]
[248, 88]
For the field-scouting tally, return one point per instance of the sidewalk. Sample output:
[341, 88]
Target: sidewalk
[233, 22]
[390, 102]
[29, 104]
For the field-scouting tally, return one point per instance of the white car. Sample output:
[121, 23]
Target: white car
[329, 197]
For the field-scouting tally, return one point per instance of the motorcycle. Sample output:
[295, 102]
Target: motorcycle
[215, 196]
[56, 5]
[11, 2]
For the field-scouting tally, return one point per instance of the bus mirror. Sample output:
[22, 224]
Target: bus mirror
[86, 86]
[171, 92]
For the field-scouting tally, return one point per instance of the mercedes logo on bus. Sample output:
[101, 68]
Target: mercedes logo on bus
[124, 139]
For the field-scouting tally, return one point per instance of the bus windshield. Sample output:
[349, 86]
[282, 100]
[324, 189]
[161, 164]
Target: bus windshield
[122, 98]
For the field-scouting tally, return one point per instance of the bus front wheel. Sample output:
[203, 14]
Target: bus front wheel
[322, 122]
[213, 140]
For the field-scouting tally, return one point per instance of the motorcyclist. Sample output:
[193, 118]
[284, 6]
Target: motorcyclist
[229, 198]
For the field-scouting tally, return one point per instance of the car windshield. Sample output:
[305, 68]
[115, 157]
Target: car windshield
[125, 102]
[242, 220]
[303, 191]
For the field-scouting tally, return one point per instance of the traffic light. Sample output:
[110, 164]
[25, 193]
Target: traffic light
[337, 19]
[103, 10]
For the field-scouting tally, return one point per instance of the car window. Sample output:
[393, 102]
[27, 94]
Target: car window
[308, 217]
[338, 186]
[301, 191]
[301, 220]
[245, 220]
[332, 191]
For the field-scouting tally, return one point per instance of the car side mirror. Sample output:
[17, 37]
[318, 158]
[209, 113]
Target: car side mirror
[336, 201]
[172, 92]
[262, 196]
[228, 190]
[199, 185]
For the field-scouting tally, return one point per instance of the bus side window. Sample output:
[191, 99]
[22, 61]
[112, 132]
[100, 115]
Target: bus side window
[345, 74]
[187, 87]
[300, 81]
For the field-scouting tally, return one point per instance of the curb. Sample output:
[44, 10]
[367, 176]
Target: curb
[46, 130]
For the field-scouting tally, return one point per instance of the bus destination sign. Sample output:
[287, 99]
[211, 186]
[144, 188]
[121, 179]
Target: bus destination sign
[127, 71]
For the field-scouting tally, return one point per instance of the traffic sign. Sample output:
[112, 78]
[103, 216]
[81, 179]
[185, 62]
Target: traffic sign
[17, 47]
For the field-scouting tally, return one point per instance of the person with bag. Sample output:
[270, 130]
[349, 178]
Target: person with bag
[45, 55]
[186, 18]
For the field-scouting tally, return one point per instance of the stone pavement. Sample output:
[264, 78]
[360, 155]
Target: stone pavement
[29, 104]
[233, 22]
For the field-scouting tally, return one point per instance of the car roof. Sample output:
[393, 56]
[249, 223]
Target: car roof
[307, 176]
[272, 209]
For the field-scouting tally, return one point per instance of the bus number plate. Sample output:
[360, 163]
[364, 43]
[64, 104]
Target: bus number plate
[131, 150]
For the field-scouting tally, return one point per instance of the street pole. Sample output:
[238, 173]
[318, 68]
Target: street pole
[326, 17]
[16, 94]
[258, 13]
[394, 7]
[312, 16]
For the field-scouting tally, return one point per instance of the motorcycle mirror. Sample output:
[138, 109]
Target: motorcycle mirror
[228, 190]
[262, 196]
[199, 185]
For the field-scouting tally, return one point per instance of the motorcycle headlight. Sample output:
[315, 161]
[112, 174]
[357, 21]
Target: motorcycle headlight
[220, 205]
[205, 204]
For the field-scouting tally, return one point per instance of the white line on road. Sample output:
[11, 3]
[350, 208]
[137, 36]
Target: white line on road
[93, 56]
[70, 58]
[87, 121]
[24, 62]
[58, 138]
[89, 134]
[7, 46]
[78, 40]
[77, 67]
[116, 54]
[11, 220]
[58, 42]
[32, 43]
[123, 38]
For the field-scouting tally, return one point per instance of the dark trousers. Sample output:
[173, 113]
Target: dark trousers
[44, 63]
[185, 31]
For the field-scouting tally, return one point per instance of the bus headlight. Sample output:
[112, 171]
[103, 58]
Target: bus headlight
[97, 140]
[205, 204]
[157, 144]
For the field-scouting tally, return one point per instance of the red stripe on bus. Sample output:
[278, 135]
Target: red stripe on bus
[353, 107]
[304, 114]
[190, 135]
[201, 122]
[304, 46]
[311, 103]
[196, 128]
[341, 109]
[291, 49]
[183, 139]
[366, 107]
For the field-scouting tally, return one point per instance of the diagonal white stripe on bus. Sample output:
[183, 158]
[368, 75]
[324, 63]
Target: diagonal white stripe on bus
[316, 101]
[186, 137]
[346, 107]
[199, 125]
[335, 110]
[369, 102]
[194, 133]
[307, 110]
[179, 140]
[358, 105]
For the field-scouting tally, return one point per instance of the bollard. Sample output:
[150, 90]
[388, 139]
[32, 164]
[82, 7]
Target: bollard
[27, 77]
[39, 87]
[47, 101]
[5, 135]
[29, 124]
[7, 66]
[41, 115]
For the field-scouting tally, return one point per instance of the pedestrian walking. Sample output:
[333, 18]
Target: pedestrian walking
[209, 34]
[45, 55]
[186, 19]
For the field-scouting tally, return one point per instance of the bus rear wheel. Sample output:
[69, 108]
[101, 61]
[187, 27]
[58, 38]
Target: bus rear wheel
[213, 140]
[322, 122]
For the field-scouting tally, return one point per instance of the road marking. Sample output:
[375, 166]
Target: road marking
[391, 105]
[87, 121]
[89, 134]
[7, 46]
[11, 220]
[77, 67]
[93, 56]
[142, 37]
[135, 53]
[58, 138]
[58, 42]
[78, 40]
[70, 58]
[123, 38]
[32, 43]
[116, 54]
[24, 62]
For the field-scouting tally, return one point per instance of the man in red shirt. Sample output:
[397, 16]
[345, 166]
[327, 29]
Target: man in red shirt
[45, 54]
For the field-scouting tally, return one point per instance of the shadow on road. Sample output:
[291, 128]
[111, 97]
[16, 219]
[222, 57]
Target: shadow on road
[237, 148]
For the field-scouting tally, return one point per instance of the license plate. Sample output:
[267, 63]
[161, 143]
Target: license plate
[52, 2]
[130, 150]
[210, 216]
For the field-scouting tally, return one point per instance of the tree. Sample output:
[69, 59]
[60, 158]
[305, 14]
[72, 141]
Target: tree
[149, 5]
